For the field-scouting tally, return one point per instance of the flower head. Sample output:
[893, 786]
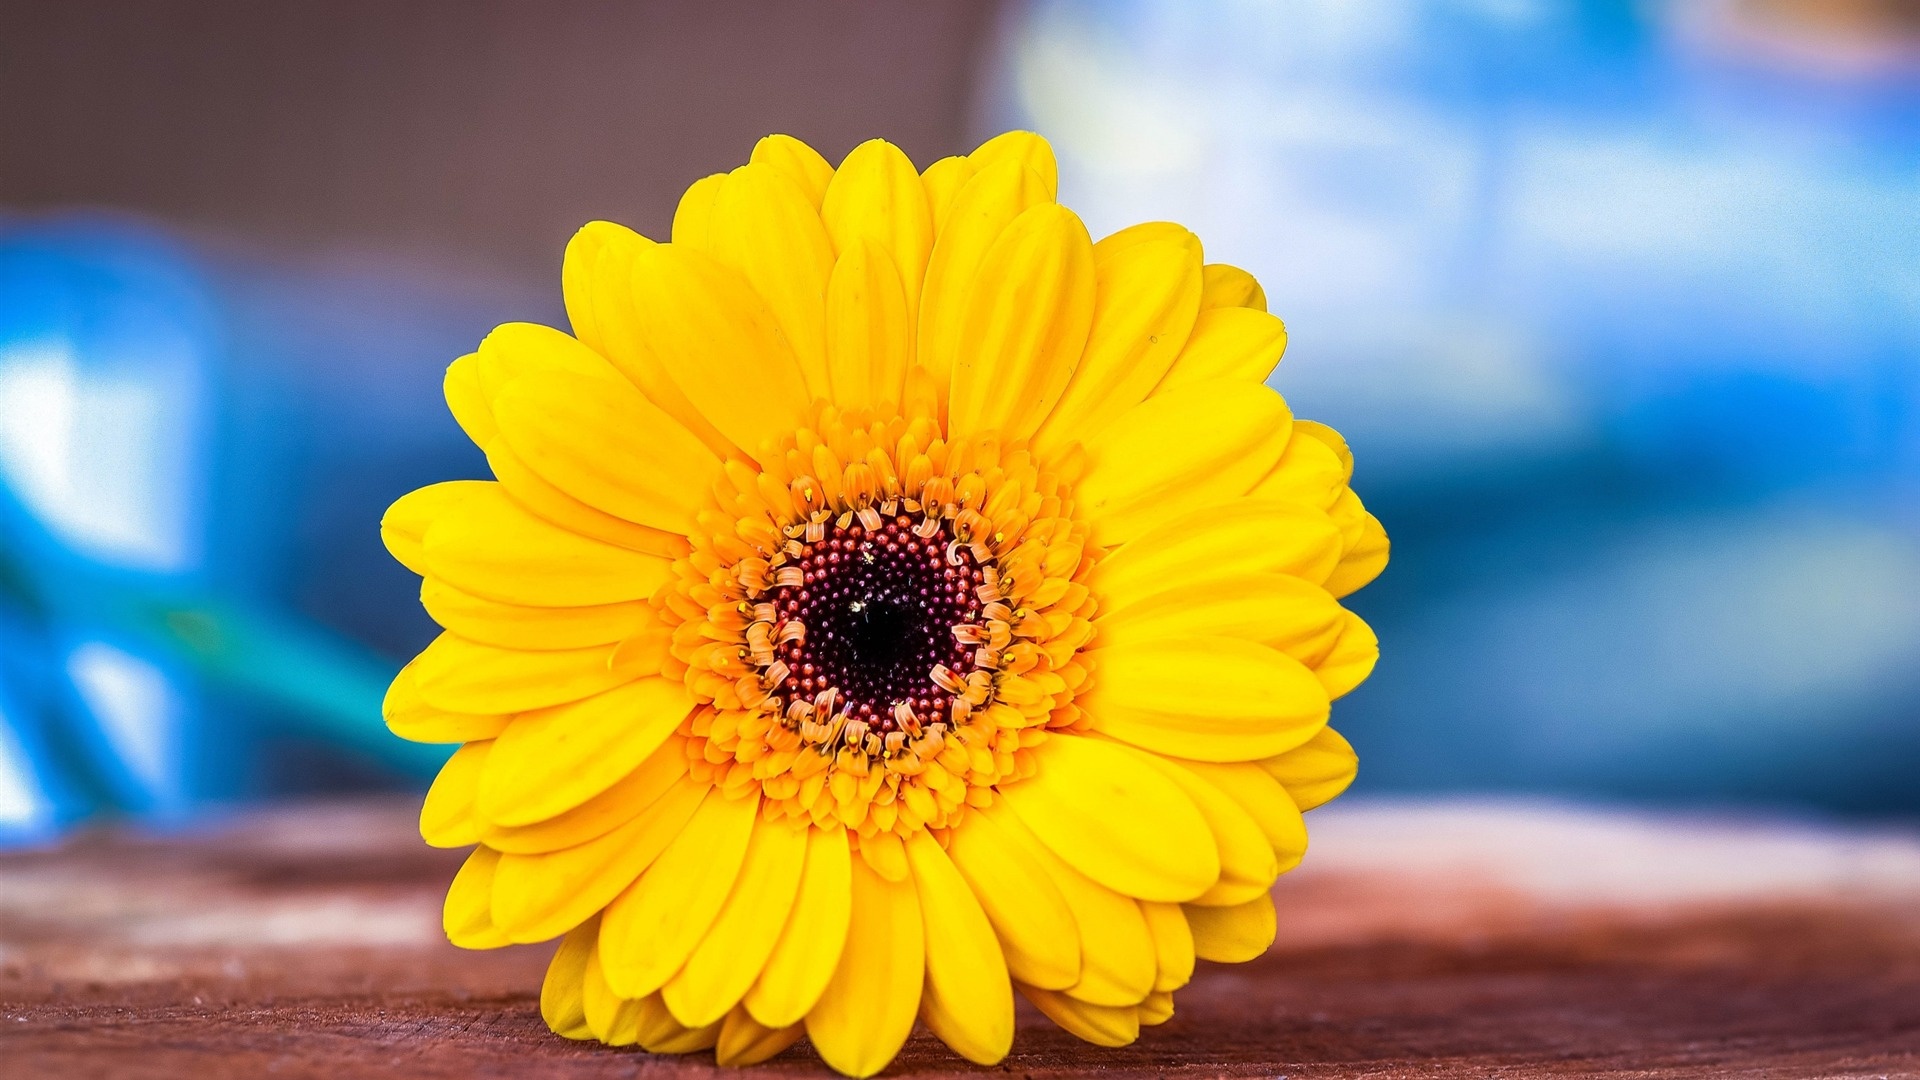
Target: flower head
[889, 599]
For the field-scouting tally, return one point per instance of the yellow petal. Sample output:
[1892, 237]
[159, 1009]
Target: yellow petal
[1156, 1009]
[647, 1021]
[446, 816]
[1147, 232]
[863, 1018]
[579, 267]
[1226, 540]
[886, 855]
[765, 227]
[657, 1032]
[518, 349]
[1228, 343]
[1334, 441]
[467, 677]
[746, 1041]
[536, 896]
[1172, 945]
[467, 915]
[645, 653]
[601, 441]
[1031, 917]
[985, 205]
[799, 162]
[924, 396]
[1207, 698]
[1352, 659]
[869, 329]
[560, 991]
[1317, 770]
[614, 1020]
[409, 716]
[716, 337]
[1116, 952]
[1309, 474]
[731, 956]
[809, 948]
[516, 626]
[1024, 147]
[673, 1039]
[1024, 325]
[1233, 935]
[488, 546]
[467, 401]
[693, 217]
[1277, 610]
[533, 493]
[876, 196]
[620, 339]
[1230, 286]
[651, 929]
[552, 760]
[403, 528]
[1177, 452]
[627, 799]
[1247, 863]
[1101, 1025]
[1114, 817]
[968, 1001]
[1350, 514]
[1146, 298]
[1264, 800]
[942, 181]
[1363, 562]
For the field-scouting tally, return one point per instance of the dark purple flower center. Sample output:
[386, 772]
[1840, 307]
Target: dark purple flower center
[880, 607]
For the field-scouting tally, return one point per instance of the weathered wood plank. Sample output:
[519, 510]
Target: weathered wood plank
[305, 943]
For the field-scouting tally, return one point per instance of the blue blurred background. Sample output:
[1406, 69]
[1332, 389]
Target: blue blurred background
[1618, 303]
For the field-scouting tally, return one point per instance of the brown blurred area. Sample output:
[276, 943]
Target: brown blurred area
[479, 133]
[1847, 39]
[1871, 19]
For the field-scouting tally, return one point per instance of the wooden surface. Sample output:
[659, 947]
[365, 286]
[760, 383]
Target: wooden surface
[1429, 940]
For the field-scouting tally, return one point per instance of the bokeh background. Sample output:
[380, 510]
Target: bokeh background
[1618, 304]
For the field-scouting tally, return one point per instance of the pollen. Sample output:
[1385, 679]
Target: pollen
[883, 633]
[877, 612]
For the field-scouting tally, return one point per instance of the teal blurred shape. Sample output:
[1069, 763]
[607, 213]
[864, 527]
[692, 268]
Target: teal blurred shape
[194, 451]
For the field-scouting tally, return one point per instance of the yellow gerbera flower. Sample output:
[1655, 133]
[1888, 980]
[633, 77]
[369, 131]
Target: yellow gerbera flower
[889, 599]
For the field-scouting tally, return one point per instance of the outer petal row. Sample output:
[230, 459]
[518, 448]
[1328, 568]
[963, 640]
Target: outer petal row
[721, 928]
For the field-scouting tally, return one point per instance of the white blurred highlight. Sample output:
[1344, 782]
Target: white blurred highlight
[97, 458]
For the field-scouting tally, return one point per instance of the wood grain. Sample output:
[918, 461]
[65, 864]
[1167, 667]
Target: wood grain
[304, 943]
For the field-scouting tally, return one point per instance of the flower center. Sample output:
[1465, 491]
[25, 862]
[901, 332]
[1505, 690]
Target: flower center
[878, 626]
[874, 621]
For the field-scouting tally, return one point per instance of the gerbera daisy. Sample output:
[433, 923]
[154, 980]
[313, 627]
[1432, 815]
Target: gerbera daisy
[889, 599]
